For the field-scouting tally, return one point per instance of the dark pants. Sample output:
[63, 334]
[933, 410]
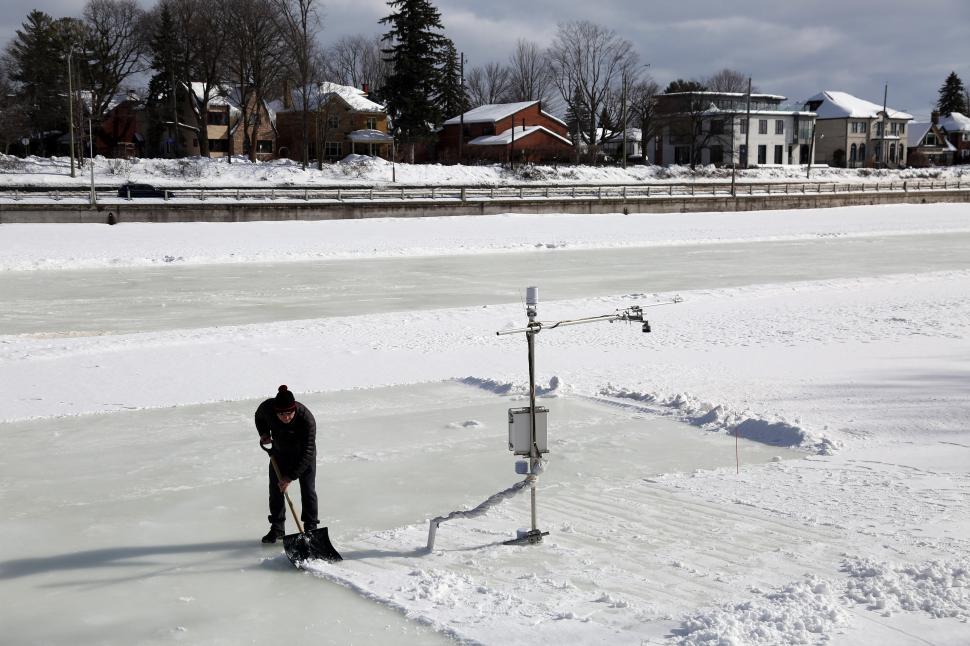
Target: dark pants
[308, 499]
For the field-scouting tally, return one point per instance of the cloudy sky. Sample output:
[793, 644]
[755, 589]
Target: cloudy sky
[790, 48]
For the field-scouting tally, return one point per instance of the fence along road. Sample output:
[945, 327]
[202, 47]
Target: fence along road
[342, 202]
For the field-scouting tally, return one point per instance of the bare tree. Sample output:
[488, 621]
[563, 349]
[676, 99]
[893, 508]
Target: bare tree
[587, 62]
[529, 77]
[643, 111]
[300, 29]
[357, 61]
[115, 49]
[488, 84]
[258, 53]
[728, 80]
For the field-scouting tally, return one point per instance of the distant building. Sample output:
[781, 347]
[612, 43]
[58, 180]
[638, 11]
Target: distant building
[122, 131]
[956, 126]
[224, 125]
[853, 132]
[502, 132]
[928, 144]
[700, 128]
[342, 121]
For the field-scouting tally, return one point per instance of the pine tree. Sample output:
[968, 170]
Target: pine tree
[415, 54]
[452, 98]
[39, 57]
[164, 105]
[952, 96]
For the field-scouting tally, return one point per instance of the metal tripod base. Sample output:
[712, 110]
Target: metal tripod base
[529, 538]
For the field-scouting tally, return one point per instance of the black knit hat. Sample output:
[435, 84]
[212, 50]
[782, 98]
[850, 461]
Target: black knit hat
[284, 400]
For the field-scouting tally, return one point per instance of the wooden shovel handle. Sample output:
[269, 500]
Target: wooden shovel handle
[279, 476]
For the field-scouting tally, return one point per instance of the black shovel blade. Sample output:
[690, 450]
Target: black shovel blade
[314, 544]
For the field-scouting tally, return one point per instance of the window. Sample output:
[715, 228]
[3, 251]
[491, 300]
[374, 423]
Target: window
[744, 126]
[865, 127]
[930, 139]
[219, 145]
[332, 149]
[862, 153]
[333, 120]
[717, 127]
[264, 146]
[892, 152]
[371, 123]
[879, 129]
[853, 151]
[681, 155]
[779, 154]
[762, 126]
[743, 155]
[214, 118]
[779, 127]
[763, 150]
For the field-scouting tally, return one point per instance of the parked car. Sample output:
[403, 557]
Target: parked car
[141, 190]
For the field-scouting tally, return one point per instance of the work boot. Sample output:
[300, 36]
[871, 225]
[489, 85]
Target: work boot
[309, 527]
[273, 535]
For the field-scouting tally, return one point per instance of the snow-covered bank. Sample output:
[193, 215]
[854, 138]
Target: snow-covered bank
[358, 169]
[72, 246]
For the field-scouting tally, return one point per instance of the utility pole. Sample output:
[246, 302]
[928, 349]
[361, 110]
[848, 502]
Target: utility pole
[175, 116]
[747, 128]
[461, 119]
[70, 105]
[883, 148]
[623, 117]
[94, 197]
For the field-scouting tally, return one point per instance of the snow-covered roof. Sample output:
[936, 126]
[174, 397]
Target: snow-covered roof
[491, 112]
[370, 136]
[754, 95]
[632, 134]
[916, 130]
[319, 95]
[842, 105]
[505, 138]
[955, 122]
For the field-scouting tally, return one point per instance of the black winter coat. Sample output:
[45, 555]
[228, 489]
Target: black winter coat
[294, 444]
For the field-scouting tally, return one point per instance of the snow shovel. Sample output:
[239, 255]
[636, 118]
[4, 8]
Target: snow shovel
[314, 544]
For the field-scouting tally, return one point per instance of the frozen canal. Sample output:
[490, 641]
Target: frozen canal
[170, 296]
[143, 526]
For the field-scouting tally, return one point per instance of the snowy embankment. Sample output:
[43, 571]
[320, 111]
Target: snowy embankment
[863, 542]
[83, 246]
[358, 169]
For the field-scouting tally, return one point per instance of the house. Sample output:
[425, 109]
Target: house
[717, 128]
[612, 145]
[928, 144]
[223, 122]
[956, 126]
[342, 121]
[502, 132]
[121, 133]
[853, 132]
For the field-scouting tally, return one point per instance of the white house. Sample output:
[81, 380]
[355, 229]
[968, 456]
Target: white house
[853, 132]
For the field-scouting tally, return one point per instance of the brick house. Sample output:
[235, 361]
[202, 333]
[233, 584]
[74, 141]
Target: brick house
[224, 126]
[342, 121]
[928, 144]
[850, 132]
[956, 126]
[121, 133]
[505, 131]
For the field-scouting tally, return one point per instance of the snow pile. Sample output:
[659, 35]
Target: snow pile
[938, 588]
[803, 612]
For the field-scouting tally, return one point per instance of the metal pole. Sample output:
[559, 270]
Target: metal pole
[811, 151]
[393, 156]
[747, 128]
[461, 118]
[70, 105]
[533, 453]
[94, 197]
[883, 148]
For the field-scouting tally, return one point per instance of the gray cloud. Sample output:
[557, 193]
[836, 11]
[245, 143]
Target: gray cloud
[795, 49]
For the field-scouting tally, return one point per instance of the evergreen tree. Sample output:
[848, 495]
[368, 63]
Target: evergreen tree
[452, 98]
[38, 55]
[680, 85]
[952, 96]
[415, 53]
[577, 119]
[164, 100]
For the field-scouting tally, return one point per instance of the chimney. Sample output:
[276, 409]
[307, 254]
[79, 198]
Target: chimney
[287, 96]
[935, 117]
[366, 89]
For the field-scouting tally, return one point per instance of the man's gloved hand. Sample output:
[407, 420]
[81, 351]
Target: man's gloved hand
[283, 484]
[265, 439]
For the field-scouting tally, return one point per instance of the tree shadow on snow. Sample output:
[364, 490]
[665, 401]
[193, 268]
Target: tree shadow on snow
[113, 557]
